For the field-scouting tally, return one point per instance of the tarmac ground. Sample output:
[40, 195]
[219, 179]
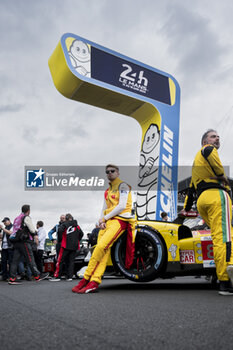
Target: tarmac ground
[181, 313]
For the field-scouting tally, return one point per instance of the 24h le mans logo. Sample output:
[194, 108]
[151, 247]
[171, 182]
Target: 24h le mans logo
[35, 178]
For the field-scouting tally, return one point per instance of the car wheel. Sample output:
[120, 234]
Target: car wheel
[149, 256]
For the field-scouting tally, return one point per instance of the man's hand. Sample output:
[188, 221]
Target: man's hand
[188, 214]
[102, 224]
[182, 213]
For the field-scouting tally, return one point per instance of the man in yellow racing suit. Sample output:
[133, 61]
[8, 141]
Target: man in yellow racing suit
[116, 217]
[214, 204]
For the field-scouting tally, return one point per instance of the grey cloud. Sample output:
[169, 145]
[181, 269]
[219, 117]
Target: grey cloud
[225, 75]
[64, 136]
[78, 123]
[193, 42]
[30, 133]
[76, 130]
[11, 108]
[71, 131]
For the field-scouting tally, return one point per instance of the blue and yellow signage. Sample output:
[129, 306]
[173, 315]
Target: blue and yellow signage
[89, 73]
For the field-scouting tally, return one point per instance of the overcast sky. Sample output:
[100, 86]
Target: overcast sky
[191, 40]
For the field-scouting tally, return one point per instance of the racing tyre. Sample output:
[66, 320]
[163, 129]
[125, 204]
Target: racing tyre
[149, 256]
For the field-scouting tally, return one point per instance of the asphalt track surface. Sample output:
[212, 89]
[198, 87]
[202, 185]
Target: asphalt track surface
[182, 313]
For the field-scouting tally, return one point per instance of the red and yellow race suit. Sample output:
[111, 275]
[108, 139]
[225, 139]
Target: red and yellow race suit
[117, 212]
[214, 205]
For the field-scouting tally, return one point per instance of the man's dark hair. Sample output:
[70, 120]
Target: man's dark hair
[163, 214]
[204, 136]
[40, 223]
[69, 217]
[25, 208]
[112, 166]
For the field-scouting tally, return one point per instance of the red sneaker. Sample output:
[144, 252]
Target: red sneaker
[80, 286]
[13, 281]
[91, 287]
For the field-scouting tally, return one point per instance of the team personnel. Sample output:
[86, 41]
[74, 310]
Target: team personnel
[164, 216]
[7, 247]
[55, 230]
[41, 237]
[69, 235]
[22, 245]
[211, 187]
[116, 217]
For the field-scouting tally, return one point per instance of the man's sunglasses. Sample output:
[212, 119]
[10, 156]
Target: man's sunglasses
[110, 171]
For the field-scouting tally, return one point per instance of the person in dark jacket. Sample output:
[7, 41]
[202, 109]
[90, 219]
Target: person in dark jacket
[69, 235]
[93, 237]
[7, 247]
[22, 245]
[55, 230]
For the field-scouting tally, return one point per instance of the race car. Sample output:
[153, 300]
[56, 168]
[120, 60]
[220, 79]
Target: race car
[162, 250]
[167, 249]
[49, 257]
